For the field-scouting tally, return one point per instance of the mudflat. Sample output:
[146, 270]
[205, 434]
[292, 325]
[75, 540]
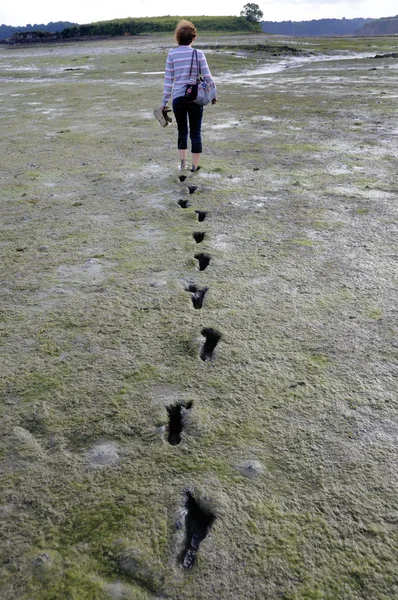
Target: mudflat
[176, 432]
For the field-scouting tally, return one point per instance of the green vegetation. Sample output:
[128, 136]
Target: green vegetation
[385, 26]
[158, 24]
[252, 12]
[291, 439]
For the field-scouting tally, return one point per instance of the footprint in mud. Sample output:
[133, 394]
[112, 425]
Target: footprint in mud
[198, 521]
[183, 203]
[197, 294]
[192, 189]
[177, 415]
[212, 338]
[198, 236]
[182, 178]
[198, 297]
[203, 259]
[202, 214]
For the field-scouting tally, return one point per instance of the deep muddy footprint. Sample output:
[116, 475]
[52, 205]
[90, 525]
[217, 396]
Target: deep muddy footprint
[199, 236]
[212, 338]
[177, 414]
[202, 214]
[198, 521]
[203, 259]
[183, 203]
[198, 297]
[197, 294]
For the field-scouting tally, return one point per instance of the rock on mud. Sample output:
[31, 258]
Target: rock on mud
[103, 455]
[251, 468]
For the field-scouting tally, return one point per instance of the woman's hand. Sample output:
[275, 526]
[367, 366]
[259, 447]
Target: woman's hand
[165, 111]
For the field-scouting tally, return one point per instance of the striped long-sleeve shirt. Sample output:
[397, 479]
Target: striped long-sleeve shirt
[178, 65]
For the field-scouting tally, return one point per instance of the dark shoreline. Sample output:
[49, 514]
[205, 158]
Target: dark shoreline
[58, 40]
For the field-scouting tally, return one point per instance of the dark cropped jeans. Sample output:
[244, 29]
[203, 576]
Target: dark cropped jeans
[185, 111]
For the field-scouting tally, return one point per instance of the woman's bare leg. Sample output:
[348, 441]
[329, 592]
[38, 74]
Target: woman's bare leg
[195, 161]
[183, 157]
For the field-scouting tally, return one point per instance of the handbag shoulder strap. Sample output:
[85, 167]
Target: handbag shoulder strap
[194, 53]
[198, 70]
[195, 56]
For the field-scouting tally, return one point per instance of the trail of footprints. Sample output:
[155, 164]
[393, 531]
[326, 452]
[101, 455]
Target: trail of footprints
[212, 336]
[197, 518]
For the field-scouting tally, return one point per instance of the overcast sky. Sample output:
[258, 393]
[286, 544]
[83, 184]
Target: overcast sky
[21, 12]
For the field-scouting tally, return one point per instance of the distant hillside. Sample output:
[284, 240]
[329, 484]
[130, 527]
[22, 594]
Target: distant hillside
[7, 31]
[158, 24]
[385, 26]
[314, 28]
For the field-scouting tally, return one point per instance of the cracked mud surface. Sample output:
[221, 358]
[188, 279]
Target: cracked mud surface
[293, 439]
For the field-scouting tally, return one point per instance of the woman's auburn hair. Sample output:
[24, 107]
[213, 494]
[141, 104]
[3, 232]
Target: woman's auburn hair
[185, 33]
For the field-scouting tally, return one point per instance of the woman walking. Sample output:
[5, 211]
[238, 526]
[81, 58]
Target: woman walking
[176, 79]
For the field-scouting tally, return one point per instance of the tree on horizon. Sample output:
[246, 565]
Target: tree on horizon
[252, 12]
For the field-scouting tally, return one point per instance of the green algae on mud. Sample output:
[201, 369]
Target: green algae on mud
[98, 335]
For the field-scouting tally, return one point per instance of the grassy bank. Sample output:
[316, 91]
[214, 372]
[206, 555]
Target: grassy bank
[130, 26]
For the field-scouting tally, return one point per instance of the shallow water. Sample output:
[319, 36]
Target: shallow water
[294, 62]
